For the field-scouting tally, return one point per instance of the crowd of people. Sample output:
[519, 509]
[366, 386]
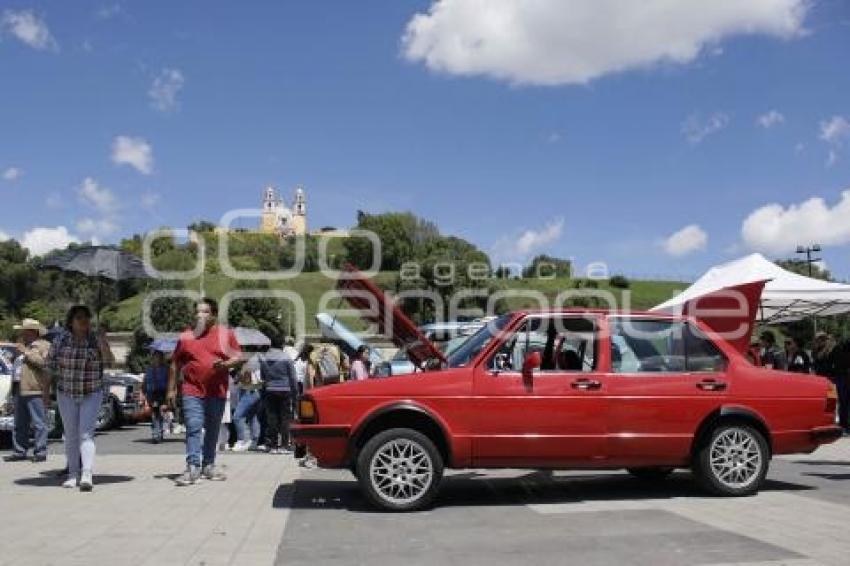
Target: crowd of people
[209, 385]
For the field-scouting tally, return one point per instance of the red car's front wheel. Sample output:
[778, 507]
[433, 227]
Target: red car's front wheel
[400, 470]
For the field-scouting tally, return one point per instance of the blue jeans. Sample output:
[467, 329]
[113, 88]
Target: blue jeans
[202, 416]
[156, 400]
[79, 417]
[247, 411]
[29, 412]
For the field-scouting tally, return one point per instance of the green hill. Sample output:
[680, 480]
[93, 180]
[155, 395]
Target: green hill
[126, 315]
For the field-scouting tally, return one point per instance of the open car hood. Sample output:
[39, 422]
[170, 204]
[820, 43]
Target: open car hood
[731, 312]
[375, 307]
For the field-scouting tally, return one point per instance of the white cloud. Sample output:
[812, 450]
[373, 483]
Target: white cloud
[519, 248]
[770, 119]
[135, 152]
[777, 229]
[27, 27]
[164, 90]
[550, 42]
[695, 129]
[4, 236]
[40, 240]
[108, 12]
[688, 240]
[96, 227]
[12, 174]
[150, 200]
[835, 130]
[100, 198]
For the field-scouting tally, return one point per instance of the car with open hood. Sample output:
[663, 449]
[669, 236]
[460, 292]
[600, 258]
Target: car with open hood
[562, 389]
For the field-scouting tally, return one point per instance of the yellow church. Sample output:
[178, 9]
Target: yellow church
[281, 220]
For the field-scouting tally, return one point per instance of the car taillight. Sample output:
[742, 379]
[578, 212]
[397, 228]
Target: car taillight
[306, 410]
[831, 399]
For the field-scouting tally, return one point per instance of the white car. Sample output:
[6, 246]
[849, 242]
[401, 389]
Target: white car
[7, 419]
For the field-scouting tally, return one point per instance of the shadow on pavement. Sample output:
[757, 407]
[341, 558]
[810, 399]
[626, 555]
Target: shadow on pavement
[823, 462]
[48, 481]
[163, 441]
[475, 489]
[834, 477]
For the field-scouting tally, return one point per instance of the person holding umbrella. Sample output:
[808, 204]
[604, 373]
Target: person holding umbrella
[205, 355]
[76, 361]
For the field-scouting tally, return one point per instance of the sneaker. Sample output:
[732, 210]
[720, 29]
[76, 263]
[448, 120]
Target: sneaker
[189, 477]
[210, 472]
[16, 457]
[39, 458]
[242, 446]
[307, 462]
[261, 448]
[70, 483]
[86, 483]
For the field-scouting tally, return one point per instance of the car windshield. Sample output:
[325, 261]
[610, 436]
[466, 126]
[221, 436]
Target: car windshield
[477, 342]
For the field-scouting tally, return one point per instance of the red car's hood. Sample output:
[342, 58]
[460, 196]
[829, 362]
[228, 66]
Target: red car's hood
[730, 312]
[375, 307]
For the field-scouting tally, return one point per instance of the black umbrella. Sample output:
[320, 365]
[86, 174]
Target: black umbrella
[99, 261]
[102, 262]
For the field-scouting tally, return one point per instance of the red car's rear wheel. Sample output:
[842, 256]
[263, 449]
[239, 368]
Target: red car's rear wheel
[734, 460]
[400, 470]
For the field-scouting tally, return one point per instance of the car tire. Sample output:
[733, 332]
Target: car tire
[399, 470]
[733, 461]
[107, 417]
[651, 474]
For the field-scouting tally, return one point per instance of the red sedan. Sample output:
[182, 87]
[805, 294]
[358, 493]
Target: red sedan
[569, 389]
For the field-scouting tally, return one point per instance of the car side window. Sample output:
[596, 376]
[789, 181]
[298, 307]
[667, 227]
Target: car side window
[647, 346]
[662, 346]
[702, 354]
[566, 344]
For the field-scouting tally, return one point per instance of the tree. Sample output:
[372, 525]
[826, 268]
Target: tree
[399, 234]
[546, 266]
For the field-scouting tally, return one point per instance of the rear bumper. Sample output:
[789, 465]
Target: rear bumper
[327, 443]
[826, 434]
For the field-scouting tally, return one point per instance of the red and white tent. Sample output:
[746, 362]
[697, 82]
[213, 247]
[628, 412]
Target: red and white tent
[786, 296]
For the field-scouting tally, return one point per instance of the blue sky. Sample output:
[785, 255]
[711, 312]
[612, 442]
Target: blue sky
[584, 138]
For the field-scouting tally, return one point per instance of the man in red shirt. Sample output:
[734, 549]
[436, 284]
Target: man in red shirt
[205, 356]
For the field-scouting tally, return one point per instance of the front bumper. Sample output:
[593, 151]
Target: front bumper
[827, 434]
[327, 443]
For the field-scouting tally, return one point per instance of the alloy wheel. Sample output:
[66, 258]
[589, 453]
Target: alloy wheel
[736, 458]
[401, 471]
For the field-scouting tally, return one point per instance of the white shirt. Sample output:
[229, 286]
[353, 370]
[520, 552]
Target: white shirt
[358, 370]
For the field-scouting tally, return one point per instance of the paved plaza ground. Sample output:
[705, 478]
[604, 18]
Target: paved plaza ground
[272, 512]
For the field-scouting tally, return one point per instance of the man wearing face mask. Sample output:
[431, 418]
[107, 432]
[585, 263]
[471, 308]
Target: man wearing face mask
[205, 356]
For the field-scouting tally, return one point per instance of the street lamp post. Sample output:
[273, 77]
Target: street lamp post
[811, 260]
[809, 250]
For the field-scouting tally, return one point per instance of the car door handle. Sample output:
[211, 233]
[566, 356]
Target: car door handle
[711, 385]
[586, 384]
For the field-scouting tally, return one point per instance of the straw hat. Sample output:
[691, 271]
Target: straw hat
[31, 324]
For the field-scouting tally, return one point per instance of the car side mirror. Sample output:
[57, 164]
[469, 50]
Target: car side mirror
[532, 362]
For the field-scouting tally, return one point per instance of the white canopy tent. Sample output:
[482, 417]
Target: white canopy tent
[787, 296]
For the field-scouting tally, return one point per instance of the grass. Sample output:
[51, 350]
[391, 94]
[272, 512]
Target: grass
[311, 287]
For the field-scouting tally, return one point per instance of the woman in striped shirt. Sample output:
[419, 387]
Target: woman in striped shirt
[76, 361]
